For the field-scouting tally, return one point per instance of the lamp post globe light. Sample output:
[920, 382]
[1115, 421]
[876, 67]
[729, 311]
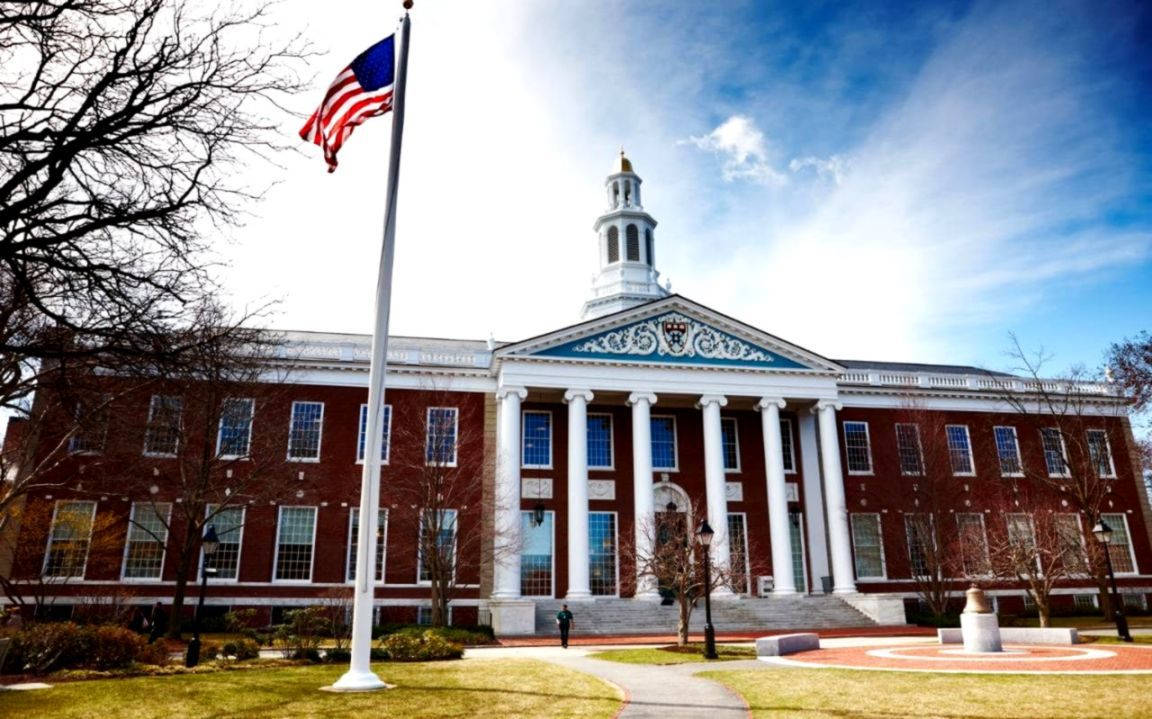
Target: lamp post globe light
[704, 535]
[209, 544]
[1103, 534]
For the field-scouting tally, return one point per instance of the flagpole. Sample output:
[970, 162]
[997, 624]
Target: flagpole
[360, 676]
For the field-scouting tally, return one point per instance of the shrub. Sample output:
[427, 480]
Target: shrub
[426, 647]
[43, 648]
[467, 635]
[241, 649]
[338, 656]
[299, 637]
[112, 647]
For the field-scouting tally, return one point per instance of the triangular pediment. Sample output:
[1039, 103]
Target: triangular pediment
[670, 331]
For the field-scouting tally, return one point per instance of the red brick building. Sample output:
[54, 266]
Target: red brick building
[566, 445]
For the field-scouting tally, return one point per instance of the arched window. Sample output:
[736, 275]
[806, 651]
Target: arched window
[632, 242]
[613, 245]
[648, 246]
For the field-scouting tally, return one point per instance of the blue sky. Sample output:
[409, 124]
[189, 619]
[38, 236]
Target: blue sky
[871, 180]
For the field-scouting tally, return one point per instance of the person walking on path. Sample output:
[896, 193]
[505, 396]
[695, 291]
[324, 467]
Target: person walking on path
[564, 620]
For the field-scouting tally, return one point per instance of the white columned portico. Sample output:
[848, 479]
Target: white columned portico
[642, 499]
[839, 539]
[506, 570]
[578, 585]
[783, 581]
[714, 484]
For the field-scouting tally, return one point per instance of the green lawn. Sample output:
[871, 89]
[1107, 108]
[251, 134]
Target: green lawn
[845, 694]
[502, 688]
[1094, 621]
[673, 654]
[1113, 639]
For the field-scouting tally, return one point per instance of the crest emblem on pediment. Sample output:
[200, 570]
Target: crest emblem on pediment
[672, 335]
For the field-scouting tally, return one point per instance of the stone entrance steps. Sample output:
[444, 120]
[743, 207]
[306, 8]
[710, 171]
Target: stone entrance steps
[626, 616]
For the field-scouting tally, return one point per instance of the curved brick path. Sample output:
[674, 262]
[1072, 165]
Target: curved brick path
[1078, 659]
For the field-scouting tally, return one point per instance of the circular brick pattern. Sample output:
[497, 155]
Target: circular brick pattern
[1108, 659]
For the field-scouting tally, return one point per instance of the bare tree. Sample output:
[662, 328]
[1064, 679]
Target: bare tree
[673, 557]
[434, 476]
[1074, 453]
[1130, 362]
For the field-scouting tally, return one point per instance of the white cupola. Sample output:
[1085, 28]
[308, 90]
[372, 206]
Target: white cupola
[624, 235]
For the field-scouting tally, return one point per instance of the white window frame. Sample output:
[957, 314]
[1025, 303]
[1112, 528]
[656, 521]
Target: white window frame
[319, 432]
[51, 530]
[363, 422]
[803, 544]
[736, 442]
[984, 536]
[76, 436]
[216, 578]
[1128, 533]
[220, 428]
[420, 545]
[148, 427]
[1075, 518]
[276, 539]
[1063, 453]
[919, 448]
[908, 538]
[786, 428]
[747, 550]
[552, 571]
[382, 512]
[1031, 528]
[1016, 444]
[166, 521]
[422, 608]
[868, 439]
[675, 442]
[611, 443]
[615, 547]
[1107, 448]
[455, 437]
[968, 440]
[879, 536]
[524, 436]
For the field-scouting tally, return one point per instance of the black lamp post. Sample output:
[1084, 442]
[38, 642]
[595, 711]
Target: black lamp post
[704, 535]
[1103, 534]
[209, 544]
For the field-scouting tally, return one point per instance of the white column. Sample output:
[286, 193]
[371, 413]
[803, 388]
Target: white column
[783, 581]
[578, 586]
[839, 540]
[642, 501]
[714, 484]
[506, 569]
[817, 544]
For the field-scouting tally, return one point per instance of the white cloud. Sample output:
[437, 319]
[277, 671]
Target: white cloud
[741, 143]
[834, 167]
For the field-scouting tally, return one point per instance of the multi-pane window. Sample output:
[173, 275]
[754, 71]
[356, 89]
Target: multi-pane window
[908, 447]
[229, 524]
[796, 534]
[738, 552]
[602, 553]
[729, 444]
[536, 556]
[663, 443]
[867, 546]
[858, 448]
[354, 541]
[68, 541]
[1120, 548]
[973, 542]
[786, 446]
[305, 430]
[1067, 526]
[437, 543]
[440, 442]
[1100, 453]
[537, 439]
[162, 436]
[91, 429]
[235, 434]
[1021, 532]
[1008, 450]
[147, 539]
[295, 537]
[385, 440]
[959, 449]
[600, 441]
[1085, 602]
[1055, 458]
[921, 543]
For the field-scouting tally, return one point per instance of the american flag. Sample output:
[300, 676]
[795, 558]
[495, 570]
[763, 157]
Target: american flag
[362, 90]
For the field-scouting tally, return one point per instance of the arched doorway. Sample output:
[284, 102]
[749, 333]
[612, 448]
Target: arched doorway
[673, 524]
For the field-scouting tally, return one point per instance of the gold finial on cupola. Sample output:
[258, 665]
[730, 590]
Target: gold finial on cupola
[623, 164]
